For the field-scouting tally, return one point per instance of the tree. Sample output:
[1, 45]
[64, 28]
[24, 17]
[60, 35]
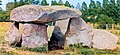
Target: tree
[118, 3]
[44, 3]
[67, 4]
[98, 8]
[84, 10]
[112, 11]
[0, 2]
[54, 2]
[104, 20]
[105, 3]
[84, 6]
[112, 2]
[10, 6]
[78, 6]
[72, 6]
[35, 2]
[118, 10]
[60, 2]
[15, 1]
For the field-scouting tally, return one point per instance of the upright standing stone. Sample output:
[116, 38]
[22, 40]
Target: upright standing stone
[79, 32]
[63, 24]
[34, 35]
[13, 36]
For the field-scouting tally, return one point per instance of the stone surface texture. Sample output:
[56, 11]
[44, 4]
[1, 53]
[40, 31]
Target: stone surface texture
[63, 24]
[79, 32]
[41, 14]
[104, 40]
[34, 35]
[13, 35]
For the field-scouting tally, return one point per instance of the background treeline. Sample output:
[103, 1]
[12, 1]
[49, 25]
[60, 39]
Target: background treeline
[107, 12]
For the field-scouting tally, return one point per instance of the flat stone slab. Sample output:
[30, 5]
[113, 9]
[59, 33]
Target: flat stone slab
[63, 25]
[42, 14]
[34, 35]
[104, 40]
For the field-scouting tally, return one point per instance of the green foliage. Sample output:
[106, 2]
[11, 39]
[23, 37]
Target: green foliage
[78, 6]
[86, 51]
[3, 15]
[3, 52]
[51, 23]
[60, 2]
[79, 49]
[0, 2]
[111, 9]
[67, 4]
[103, 19]
[54, 2]
[72, 6]
[67, 54]
[44, 3]
[37, 49]
[84, 10]
[10, 6]
[36, 2]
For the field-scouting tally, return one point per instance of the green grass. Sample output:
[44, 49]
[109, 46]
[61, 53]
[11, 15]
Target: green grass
[38, 49]
[78, 49]
[3, 52]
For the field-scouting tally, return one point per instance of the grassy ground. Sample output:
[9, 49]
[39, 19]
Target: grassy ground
[71, 50]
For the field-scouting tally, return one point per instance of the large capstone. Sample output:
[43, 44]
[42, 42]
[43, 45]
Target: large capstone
[42, 14]
[13, 35]
[34, 35]
[79, 32]
[104, 40]
[57, 39]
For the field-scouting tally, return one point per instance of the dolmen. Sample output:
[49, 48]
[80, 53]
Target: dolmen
[69, 29]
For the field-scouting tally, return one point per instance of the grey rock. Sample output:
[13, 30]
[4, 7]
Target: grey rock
[13, 35]
[79, 32]
[104, 40]
[42, 14]
[34, 35]
[63, 24]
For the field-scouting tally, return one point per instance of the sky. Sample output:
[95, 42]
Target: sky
[74, 2]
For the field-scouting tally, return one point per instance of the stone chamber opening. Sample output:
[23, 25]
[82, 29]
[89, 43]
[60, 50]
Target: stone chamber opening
[56, 40]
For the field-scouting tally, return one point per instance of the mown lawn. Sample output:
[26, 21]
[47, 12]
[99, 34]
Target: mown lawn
[70, 50]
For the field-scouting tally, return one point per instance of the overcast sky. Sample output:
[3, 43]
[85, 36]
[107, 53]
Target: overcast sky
[74, 2]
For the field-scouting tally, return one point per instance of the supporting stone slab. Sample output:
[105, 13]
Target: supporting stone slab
[63, 24]
[13, 35]
[79, 32]
[34, 35]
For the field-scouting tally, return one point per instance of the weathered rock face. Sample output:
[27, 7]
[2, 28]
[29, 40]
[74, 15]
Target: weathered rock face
[42, 14]
[63, 24]
[57, 39]
[104, 40]
[34, 35]
[13, 36]
[79, 32]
